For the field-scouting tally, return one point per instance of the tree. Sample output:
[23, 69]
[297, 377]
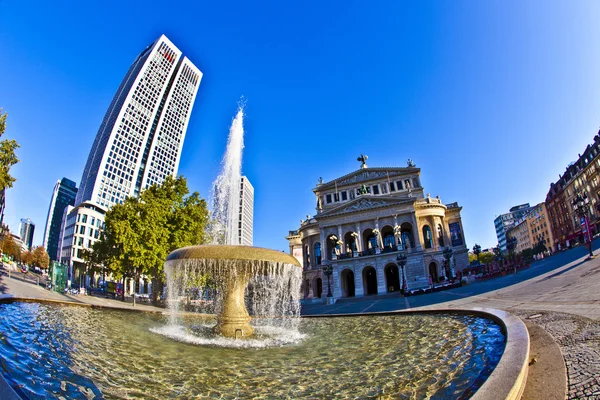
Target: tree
[8, 158]
[40, 257]
[10, 247]
[140, 233]
[540, 247]
[487, 257]
[527, 254]
[477, 251]
[27, 257]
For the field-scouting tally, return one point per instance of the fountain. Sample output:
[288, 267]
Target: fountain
[275, 277]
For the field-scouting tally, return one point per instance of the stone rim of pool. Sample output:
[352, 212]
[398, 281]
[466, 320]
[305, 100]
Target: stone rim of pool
[506, 381]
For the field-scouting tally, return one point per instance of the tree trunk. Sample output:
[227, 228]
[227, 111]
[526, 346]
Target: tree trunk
[123, 291]
[157, 289]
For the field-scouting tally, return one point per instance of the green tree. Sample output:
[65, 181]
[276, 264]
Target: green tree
[487, 257]
[477, 251]
[140, 233]
[8, 158]
[528, 254]
[540, 247]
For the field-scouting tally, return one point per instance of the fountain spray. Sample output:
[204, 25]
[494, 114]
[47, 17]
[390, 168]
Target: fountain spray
[226, 188]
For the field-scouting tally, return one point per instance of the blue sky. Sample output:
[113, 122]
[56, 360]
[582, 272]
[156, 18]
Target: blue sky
[491, 99]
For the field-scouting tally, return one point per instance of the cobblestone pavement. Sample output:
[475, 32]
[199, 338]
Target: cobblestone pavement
[579, 341]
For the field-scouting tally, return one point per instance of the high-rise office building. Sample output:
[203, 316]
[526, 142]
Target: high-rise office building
[64, 194]
[138, 143]
[26, 229]
[246, 212]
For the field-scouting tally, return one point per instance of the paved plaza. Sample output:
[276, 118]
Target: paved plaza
[560, 294]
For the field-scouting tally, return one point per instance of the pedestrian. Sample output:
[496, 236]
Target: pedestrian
[430, 281]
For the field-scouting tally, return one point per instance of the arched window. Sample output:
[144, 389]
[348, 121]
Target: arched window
[318, 253]
[427, 237]
[388, 240]
[440, 234]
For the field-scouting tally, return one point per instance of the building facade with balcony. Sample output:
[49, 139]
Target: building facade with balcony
[580, 178]
[367, 218]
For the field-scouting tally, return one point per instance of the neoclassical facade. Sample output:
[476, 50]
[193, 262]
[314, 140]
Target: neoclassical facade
[367, 218]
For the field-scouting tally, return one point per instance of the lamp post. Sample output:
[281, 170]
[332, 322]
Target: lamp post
[401, 258]
[328, 271]
[581, 205]
[511, 245]
[448, 255]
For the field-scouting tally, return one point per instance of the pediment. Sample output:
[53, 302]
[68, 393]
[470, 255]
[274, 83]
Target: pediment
[365, 202]
[366, 174]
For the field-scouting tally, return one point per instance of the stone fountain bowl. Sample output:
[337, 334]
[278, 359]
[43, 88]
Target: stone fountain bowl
[235, 266]
[229, 252]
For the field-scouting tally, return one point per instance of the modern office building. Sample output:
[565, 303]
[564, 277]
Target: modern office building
[26, 229]
[504, 222]
[63, 195]
[138, 143]
[246, 213]
[364, 221]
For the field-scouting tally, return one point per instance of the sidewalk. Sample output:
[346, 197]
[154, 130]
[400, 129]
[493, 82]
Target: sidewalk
[17, 287]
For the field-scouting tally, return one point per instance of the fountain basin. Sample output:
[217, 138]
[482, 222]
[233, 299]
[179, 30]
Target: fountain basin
[72, 350]
[231, 268]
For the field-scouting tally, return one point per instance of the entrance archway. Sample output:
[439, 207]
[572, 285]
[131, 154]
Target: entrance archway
[347, 283]
[306, 288]
[392, 278]
[369, 276]
[318, 288]
[433, 271]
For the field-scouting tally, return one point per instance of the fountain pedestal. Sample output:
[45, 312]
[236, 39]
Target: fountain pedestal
[234, 321]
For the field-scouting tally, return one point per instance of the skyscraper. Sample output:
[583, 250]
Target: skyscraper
[246, 212]
[64, 194]
[138, 143]
[26, 229]
[140, 139]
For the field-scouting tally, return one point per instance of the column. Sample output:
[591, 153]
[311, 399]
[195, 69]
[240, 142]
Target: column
[359, 238]
[432, 224]
[380, 269]
[324, 255]
[336, 288]
[359, 290]
[416, 236]
[340, 237]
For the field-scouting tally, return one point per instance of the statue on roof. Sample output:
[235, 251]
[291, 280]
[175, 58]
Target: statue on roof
[410, 163]
[363, 159]
[320, 181]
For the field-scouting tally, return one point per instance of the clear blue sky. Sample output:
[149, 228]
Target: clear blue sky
[492, 99]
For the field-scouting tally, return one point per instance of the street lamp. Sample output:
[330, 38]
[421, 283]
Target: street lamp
[581, 205]
[448, 255]
[328, 271]
[401, 258]
[511, 245]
